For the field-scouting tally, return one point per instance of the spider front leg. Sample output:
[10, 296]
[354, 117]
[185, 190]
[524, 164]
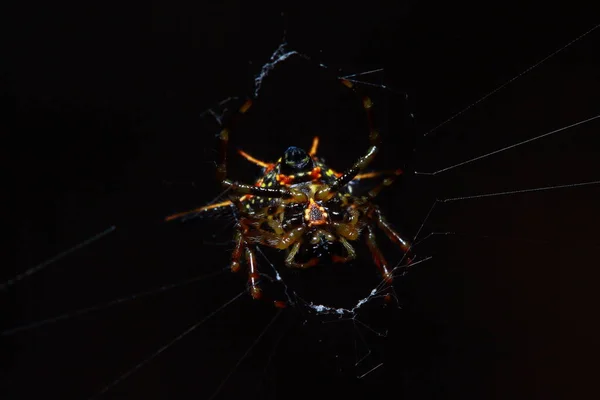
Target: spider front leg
[327, 193]
[362, 163]
[224, 139]
[289, 194]
[238, 188]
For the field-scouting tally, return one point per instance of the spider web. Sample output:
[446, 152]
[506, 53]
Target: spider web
[511, 235]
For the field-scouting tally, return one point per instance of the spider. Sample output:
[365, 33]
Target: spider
[302, 206]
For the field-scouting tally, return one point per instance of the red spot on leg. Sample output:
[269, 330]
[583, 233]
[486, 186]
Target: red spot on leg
[279, 304]
[255, 292]
[235, 266]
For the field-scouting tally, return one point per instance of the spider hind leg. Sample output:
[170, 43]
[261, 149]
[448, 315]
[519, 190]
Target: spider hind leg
[390, 232]
[241, 248]
[378, 257]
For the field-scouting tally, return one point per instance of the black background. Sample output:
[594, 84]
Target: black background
[108, 130]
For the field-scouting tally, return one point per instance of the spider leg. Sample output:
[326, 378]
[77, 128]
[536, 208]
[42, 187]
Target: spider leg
[237, 252]
[241, 248]
[222, 204]
[390, 232]
[393, 236]
[242, 188]
[253, 274]
[314, 147]
[224, 139]
[260, 163]
[290, 195]
[347, 176]
[368, 175]
[385, 183]
[351, 173]
[351, 253]
[378, 258]
[375, 174]
[290, 260]
[281, 242]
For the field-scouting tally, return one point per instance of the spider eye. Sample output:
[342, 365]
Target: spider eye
[296, 160]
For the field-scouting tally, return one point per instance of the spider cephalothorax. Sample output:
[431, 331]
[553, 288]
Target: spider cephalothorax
[305, 208]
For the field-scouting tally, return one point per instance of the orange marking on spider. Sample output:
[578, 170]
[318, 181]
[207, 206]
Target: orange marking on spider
[285, 179]
[347, 83]
[375, 174]
[338, 259]
[245, 106]
[315, 146]
[315, 174]
[315, 214]
[256, 161]
[235, 266]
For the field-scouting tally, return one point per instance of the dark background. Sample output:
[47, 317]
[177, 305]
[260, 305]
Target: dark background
[104, 126]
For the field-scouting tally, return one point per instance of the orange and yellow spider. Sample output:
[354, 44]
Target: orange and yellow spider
[305, 208]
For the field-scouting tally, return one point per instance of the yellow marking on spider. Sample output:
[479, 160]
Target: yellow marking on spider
[331, 172]
[285, 179]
